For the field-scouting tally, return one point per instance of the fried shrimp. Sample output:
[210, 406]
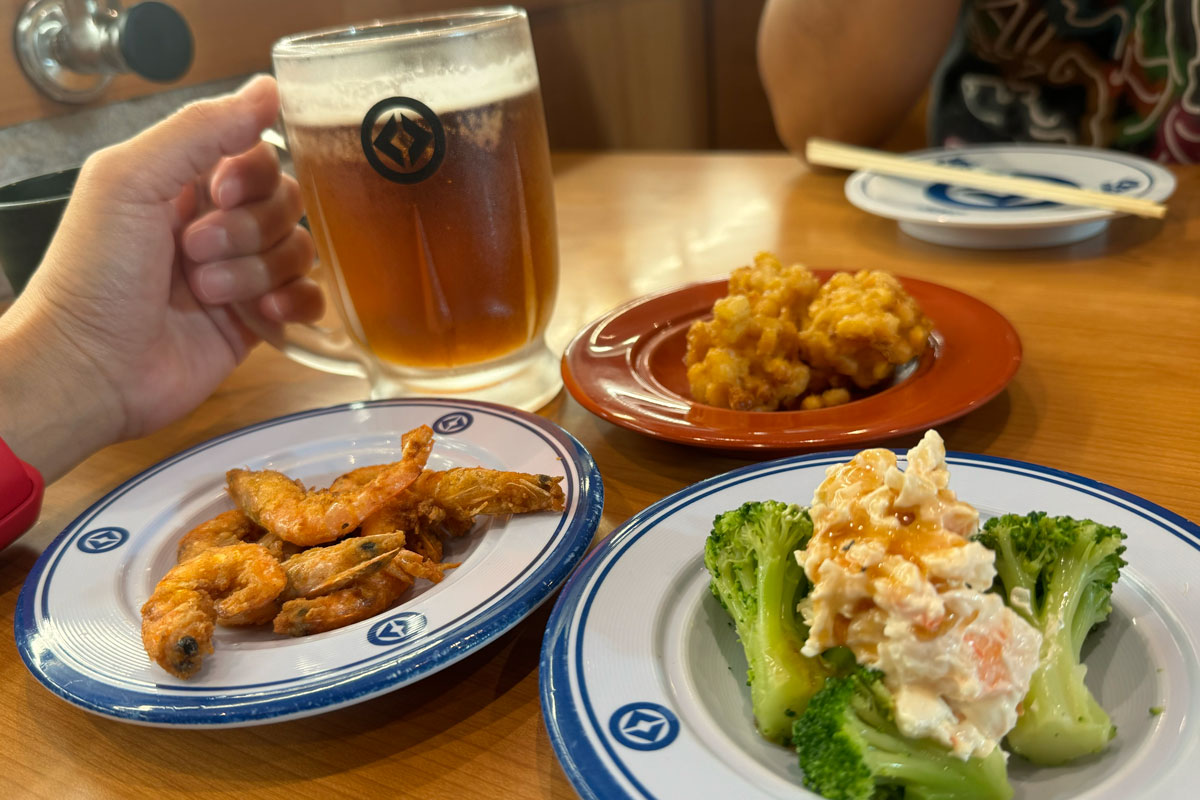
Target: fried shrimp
[415, 446]
[467, 491]
[415, 565]
[231, 527]
[321, 570]
[278, 547]
[363, 599]
[427, 543]
[355, 479]
[448, 501]
[312, 560]
[308, 517]
[234, 581]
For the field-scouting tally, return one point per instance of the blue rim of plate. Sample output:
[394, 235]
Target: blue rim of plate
[456, 640]
[1161, 184]
[584, 767]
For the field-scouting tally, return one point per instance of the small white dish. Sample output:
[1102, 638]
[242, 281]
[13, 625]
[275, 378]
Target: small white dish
[961, 217]
[78, 620]
[643, 680]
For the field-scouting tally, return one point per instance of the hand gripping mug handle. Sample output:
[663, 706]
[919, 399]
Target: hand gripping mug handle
[326, 349]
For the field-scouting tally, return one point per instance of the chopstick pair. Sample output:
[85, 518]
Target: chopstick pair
[834, 154]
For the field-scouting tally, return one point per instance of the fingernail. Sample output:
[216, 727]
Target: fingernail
[208, 243]
[273, 308]
[229, 192]
[215, 283]
[255, 85]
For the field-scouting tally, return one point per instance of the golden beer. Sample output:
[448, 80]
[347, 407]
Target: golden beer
[421, 151]
[459, 268]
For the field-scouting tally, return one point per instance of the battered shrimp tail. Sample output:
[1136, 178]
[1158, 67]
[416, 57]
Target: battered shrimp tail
[415, 446]
[177, 630]
[231, 527]
[303, 517]
[366, 598]
[236, 581]
[321, 570]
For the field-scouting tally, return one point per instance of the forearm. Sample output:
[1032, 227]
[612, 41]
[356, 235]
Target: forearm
[849, 70]
[55, 409]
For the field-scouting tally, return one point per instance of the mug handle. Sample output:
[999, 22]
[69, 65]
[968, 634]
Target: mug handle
[326, 349]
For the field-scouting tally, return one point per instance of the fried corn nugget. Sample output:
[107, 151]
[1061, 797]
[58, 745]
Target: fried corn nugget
[863, 325]
[746, 357]
[825, 388]
[774, 290]
[825, 399]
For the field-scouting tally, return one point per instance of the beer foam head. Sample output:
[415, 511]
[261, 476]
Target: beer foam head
[338, 88]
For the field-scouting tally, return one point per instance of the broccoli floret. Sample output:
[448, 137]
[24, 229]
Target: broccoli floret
[750, 555]
[851, 749]
[1068, 567]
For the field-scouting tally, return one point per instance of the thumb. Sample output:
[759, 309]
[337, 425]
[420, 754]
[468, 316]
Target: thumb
[158, 163]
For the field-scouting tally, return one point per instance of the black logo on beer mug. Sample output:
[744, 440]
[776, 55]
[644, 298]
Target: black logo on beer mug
[409, 145]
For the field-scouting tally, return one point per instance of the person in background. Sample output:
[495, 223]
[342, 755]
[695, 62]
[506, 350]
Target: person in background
[1122, 74]
[129, 322]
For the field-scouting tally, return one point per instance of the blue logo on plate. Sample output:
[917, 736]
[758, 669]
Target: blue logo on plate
[644, 726]
[102, 540]
[965, 197]
[454, 422]
[396, 629]
[1119, 187]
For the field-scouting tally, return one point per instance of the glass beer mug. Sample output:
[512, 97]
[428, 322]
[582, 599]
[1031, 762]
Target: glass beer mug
[421, 152]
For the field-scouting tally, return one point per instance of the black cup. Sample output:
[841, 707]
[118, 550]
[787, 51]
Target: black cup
[29, 215]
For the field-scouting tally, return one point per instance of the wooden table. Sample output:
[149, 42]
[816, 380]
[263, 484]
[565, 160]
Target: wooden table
[1109, 388]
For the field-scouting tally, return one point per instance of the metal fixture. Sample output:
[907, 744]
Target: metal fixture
[71, 49]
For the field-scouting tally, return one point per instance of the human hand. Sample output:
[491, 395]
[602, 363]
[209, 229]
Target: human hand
[131, 312]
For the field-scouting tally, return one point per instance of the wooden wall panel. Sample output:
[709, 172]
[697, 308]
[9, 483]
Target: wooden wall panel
[624, 74]
[233, 37]
[615, 73]
[740, 117]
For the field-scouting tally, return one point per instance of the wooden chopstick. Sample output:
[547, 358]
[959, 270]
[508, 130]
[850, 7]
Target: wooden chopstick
[834, 154]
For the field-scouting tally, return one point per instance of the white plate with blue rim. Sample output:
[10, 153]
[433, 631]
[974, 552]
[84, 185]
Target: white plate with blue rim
[959, 216]
[643, 680]
[78, 623]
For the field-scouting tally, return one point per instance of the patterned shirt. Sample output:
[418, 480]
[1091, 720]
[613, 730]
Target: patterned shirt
[1110, 73]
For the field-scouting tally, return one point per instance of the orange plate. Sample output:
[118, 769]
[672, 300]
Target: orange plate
[627, 367]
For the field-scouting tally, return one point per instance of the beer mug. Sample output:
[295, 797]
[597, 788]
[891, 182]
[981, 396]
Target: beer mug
[421, 152]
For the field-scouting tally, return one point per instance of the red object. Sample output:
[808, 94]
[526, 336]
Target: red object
[627, 367]
[20, 495]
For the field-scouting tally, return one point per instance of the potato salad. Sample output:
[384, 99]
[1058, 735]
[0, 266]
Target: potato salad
[897, 580]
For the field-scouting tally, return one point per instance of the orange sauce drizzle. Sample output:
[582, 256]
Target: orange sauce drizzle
[912, 540]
